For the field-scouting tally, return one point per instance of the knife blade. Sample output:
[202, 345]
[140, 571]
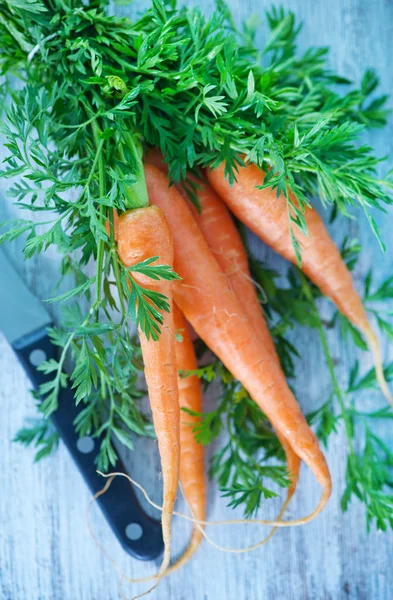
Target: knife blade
[24, 322]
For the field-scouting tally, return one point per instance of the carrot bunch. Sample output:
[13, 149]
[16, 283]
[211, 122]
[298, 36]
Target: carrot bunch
[217, 296]
[209, 303]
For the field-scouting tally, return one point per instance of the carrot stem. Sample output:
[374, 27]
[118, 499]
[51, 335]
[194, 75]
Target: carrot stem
[102, 217]
[115, 263]
[100, 145]
[329, 361]
[136, 192]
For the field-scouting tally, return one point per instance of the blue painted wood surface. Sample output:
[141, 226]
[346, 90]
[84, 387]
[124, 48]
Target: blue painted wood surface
[46, 552]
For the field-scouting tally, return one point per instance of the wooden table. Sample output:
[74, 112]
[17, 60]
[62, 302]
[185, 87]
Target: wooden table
[46, 552]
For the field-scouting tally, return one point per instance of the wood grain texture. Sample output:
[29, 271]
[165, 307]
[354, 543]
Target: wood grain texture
[46, 552]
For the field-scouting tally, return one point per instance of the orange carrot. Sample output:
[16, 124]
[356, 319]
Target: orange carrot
[192, 476]
[226, 244]
[207, 301]
[267, 216]
[141, 234]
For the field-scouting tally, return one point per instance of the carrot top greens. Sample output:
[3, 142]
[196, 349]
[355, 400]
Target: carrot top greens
[93, 90]
[194, 87]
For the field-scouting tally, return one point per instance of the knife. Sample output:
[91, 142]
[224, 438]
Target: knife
[24, 322]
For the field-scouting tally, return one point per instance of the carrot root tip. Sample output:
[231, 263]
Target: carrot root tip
[376, 351]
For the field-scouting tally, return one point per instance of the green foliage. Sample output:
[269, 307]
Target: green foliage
[104, 380]
[369, 470]
[369, 478]
[40, 434]
[285, 115]
[145, 306]
[239, 465]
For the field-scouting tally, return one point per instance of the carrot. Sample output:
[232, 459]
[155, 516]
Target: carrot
[141, 234]
[226, 244]
[267, 216]
[192, 477]
[207, 301]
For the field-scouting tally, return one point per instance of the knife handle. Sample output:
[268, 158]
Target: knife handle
[139, 534]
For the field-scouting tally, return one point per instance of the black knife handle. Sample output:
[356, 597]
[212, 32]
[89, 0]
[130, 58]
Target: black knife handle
[119, 504]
